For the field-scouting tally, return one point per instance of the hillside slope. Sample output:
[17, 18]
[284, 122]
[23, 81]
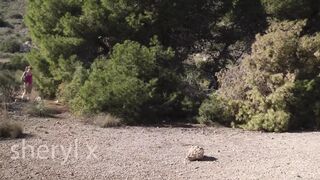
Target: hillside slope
[12, 28]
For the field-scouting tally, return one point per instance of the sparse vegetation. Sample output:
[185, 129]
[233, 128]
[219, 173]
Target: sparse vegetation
[107, 120]
[8, 86]
[10, 46]
[40, 109]
[3, 23]
[9, 129]
[16, 16]
[17, 62]
[12, 28]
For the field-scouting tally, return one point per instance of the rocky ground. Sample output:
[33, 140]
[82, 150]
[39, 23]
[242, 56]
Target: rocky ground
[66, 148]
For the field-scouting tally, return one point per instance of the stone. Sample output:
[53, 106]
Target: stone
[195, 153]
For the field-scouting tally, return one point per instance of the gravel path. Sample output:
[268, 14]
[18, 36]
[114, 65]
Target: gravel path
[155, 153]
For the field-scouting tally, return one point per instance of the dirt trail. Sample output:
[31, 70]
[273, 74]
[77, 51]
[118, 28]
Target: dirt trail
[157, 153]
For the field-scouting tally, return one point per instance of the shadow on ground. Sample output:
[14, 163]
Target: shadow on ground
[22, 136]
[209, 158]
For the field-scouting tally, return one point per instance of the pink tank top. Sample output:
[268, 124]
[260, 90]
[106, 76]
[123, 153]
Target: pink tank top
[28, 78]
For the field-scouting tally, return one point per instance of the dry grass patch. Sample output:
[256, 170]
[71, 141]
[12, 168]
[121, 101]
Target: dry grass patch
[40, 109]
[10, 129]
[107, 120]
[37, 110]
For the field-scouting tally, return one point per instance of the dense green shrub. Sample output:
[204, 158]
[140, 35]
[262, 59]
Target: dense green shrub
[47, 78]
[84, 54]
[69, 90]
[271, 88]
[305, 107]
[135, 84]
[10, 46]
[215, 110]
[42, 77]
[89, 29]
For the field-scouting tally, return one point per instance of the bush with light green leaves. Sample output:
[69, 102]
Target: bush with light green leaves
[276, 87]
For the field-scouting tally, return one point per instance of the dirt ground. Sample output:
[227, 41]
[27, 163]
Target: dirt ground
[154, 153]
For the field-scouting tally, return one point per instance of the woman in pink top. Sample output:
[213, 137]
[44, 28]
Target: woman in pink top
[27, 79]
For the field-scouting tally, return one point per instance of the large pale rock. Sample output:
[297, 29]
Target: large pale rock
[195, 153]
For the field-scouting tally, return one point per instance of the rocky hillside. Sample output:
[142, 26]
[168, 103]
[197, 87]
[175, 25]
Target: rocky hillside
[13, 32]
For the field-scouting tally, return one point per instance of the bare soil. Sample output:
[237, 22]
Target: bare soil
[155, 153]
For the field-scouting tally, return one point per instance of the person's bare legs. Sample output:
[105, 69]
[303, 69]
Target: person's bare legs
[26, 96]
[23, 94]
[26, 93]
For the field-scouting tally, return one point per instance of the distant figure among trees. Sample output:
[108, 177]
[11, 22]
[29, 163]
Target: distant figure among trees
[27, 80]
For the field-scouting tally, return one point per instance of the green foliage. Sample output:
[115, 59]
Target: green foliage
[178, 24]
[275, 121]
[243, 18]
[69, 90]
[269, 88]
[10, 46]
[215, 110]
[234, 31]
[87, 29]
[291, 9]
[96, 56]
[41, 74]
[305, 106]
[135, 84]
[18, 62]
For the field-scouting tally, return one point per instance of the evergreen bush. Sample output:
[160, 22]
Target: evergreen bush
[275, 87]
[135, 84]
